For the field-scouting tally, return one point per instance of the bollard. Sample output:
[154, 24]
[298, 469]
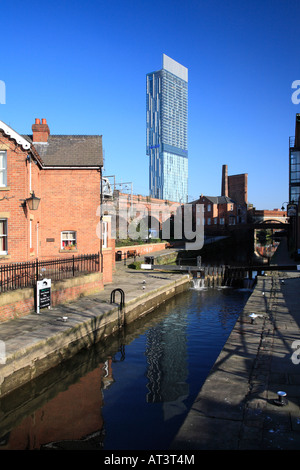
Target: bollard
[281, 400]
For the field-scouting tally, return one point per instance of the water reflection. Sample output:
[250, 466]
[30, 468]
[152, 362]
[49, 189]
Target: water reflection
[142, 379]
[167, 361]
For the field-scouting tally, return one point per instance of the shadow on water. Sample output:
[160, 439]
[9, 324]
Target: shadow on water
[134, 390]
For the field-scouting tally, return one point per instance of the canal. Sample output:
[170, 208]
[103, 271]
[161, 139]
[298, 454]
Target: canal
[134, 391]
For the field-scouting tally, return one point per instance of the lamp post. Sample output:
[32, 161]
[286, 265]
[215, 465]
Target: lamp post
[33, 202]
[290, 208]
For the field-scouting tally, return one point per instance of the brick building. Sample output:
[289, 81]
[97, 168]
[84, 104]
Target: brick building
[64, 172]
[217, 210]
[228, 209]
[235, 186]
[275, 215]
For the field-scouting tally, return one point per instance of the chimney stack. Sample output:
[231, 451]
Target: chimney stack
[224, 189]
[297, 131]
[40, 131]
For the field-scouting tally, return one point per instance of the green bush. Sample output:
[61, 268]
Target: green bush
[129, 242]
[135, 265]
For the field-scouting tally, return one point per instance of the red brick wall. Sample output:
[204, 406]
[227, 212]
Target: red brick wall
[269, 213]
[35, 215]
[81, 402]
[70, 201]
[17, 188]
[238, 188]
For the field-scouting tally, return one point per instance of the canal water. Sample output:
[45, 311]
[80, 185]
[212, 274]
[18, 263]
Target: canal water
[133, 392]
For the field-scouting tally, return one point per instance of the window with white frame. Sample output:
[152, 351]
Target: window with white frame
[3, 237]
[68, 240]
[104, 234]
[3, 168]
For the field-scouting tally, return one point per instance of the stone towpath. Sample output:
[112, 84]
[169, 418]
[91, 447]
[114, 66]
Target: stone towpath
[237, 406]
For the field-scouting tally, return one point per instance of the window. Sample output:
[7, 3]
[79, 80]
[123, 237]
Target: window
[295, 167]
[295, 194]
[222, 221]
[3, 169]
[104, 234]
[3, 237]
[68, 240]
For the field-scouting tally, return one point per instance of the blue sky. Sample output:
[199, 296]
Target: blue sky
[83, 66]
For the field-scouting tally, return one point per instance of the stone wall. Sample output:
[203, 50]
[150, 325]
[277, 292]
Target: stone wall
[21, 302]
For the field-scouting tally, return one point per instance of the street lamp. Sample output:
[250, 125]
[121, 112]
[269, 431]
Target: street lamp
[33, 202]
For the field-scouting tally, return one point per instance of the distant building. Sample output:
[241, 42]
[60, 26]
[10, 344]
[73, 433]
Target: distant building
[166, 121]
[217, 211]
[153, 212]
[275, 215]
[228, 209]
[235, 186]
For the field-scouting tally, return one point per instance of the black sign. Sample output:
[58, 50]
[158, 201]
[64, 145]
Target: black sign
[45, 297]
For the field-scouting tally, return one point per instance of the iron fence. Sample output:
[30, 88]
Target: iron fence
[26, 274]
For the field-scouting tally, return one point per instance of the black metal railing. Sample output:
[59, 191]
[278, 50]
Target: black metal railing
[19, 275]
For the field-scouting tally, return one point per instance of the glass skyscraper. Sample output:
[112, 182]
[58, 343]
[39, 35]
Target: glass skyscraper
[167, 111]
